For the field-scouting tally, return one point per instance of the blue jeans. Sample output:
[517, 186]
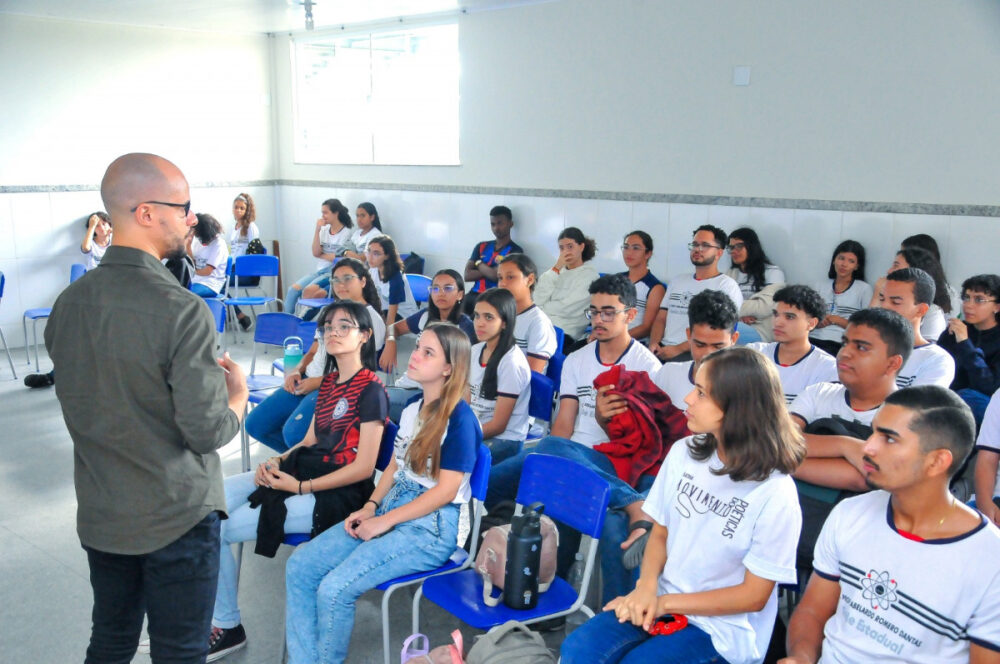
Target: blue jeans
[173, 586]
[615, 579]
[506, 475]
[503, 448]
[977, 402]
[318, 277]
[202, 290]
[282, 420]
[603, 640]
[325, 576]
[241, 526]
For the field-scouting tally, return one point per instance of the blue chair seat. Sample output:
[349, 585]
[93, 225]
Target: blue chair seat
[294, 539]
[38, 312]
[315, 302]
[278, 365]
[461, 594]
[457, 560]
[247, 301]
[263, 382]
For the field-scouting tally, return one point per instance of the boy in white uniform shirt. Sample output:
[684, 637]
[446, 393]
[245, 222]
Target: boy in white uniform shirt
[905, 573]
[987, 478]
[666, 338]
[910, 293]
[797, 311]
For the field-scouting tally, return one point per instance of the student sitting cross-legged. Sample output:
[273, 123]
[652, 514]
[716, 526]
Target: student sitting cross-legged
[409, 522]
[797, 311]
[499, 375]
[905, 573]
[726, 524]
[318, 482]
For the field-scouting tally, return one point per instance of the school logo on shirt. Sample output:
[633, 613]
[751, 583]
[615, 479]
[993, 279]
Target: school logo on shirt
[879, 589]
[340, 408]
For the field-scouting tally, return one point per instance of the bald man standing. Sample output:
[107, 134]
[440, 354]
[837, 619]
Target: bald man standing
[147, 405]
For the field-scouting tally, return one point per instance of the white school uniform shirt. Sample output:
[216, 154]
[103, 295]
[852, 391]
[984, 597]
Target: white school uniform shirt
[989, 434]
[933, 324]
[858, 296]
[333, 243]
[96, 253]
[927, 365]
[816, 366]
[772, 275]
[577, 382]
[534, 333]
[829, 400]
[404, 308]
[459, 446]
[238, 242]
[214, 253]
[513, 380]
[642, 288]
[903, 600]
[676, 379]
[717, 530]
[360, 239]
[680, 290]
[318, 364]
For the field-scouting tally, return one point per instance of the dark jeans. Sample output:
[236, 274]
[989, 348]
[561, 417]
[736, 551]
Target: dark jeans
[175, 586]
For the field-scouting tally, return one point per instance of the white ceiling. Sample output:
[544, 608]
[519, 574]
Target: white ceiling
[240, 16]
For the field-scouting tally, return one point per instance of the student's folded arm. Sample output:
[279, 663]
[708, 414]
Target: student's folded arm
[805, 629]
[832, 473]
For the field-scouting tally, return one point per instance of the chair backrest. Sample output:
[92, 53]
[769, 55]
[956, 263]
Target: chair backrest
[76, 270]
[256, 265]
[543, 391]
[388, 445]
[3, 279]
[272, 329]
[480, 478]
[571, 493]
[560, 338]
[218, 312]
[554, 370]
[225, 284]
[307, 332]
[420, 286]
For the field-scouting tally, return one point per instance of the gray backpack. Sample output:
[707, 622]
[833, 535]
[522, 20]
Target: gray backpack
[510, 643]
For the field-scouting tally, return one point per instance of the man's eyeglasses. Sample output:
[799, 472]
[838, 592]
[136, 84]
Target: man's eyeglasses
[702, 246]
[450, 288]
[606, 315]
[346, 279]
[976, 299]
[182, 206]
[338, 329]
[736, 246]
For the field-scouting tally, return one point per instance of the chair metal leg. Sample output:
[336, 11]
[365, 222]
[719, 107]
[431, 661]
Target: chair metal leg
[7, 350]
[245, 441]
[24, 328]
[34, 332]
[385, 622]
[415, 625]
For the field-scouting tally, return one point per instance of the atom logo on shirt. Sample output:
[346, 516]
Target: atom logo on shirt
[879, 589]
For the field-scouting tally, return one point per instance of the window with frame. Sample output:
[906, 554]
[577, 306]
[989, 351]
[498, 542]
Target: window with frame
[378, 98]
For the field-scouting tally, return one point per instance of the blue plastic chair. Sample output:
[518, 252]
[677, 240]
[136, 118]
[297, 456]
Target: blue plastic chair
[540, 402]
[420, 286]
[420, 263]
[560, 338]
[2, 337]
[253, 265]
[554, 369]
[76, 271]
[572, 494]
[314, 302]
[218, 310]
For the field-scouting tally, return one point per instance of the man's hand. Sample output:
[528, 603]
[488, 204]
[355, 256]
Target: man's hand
[666, 352]
[609, 403]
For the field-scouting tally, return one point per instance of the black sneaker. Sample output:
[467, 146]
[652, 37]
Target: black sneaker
[246, 323]
[39, 380]
[221, 642]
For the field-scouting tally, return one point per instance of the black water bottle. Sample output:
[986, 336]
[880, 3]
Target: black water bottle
[524, 555]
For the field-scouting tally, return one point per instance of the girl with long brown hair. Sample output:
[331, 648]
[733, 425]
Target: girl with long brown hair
[410, 523]
[727, 522]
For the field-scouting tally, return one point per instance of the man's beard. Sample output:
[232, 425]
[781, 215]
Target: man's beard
[703, 262]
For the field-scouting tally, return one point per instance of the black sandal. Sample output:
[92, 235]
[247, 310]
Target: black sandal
[632, 557]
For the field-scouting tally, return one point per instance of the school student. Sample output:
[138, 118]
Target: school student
[208, 249]
[757, 278]
[534, 333]
[331, 238]
[726, 522]
[369, 228]
[245, 231]
[562, 290]
[409, 523]
[96, 240]
[387, 274]
[845, 292]
[637, 250]
[499, 375]
[321, 480]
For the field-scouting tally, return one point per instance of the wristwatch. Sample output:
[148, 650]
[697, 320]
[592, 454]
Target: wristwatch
[478, 263]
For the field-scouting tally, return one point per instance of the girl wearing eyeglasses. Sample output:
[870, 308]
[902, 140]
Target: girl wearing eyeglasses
[321, 480]
[499, 375]
[637, 249]
[534, 333]
[410, 521]
[387, 274]
[369, 228]
[282, 419]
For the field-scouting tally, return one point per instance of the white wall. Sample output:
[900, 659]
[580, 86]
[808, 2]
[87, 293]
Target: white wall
[853, 100]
